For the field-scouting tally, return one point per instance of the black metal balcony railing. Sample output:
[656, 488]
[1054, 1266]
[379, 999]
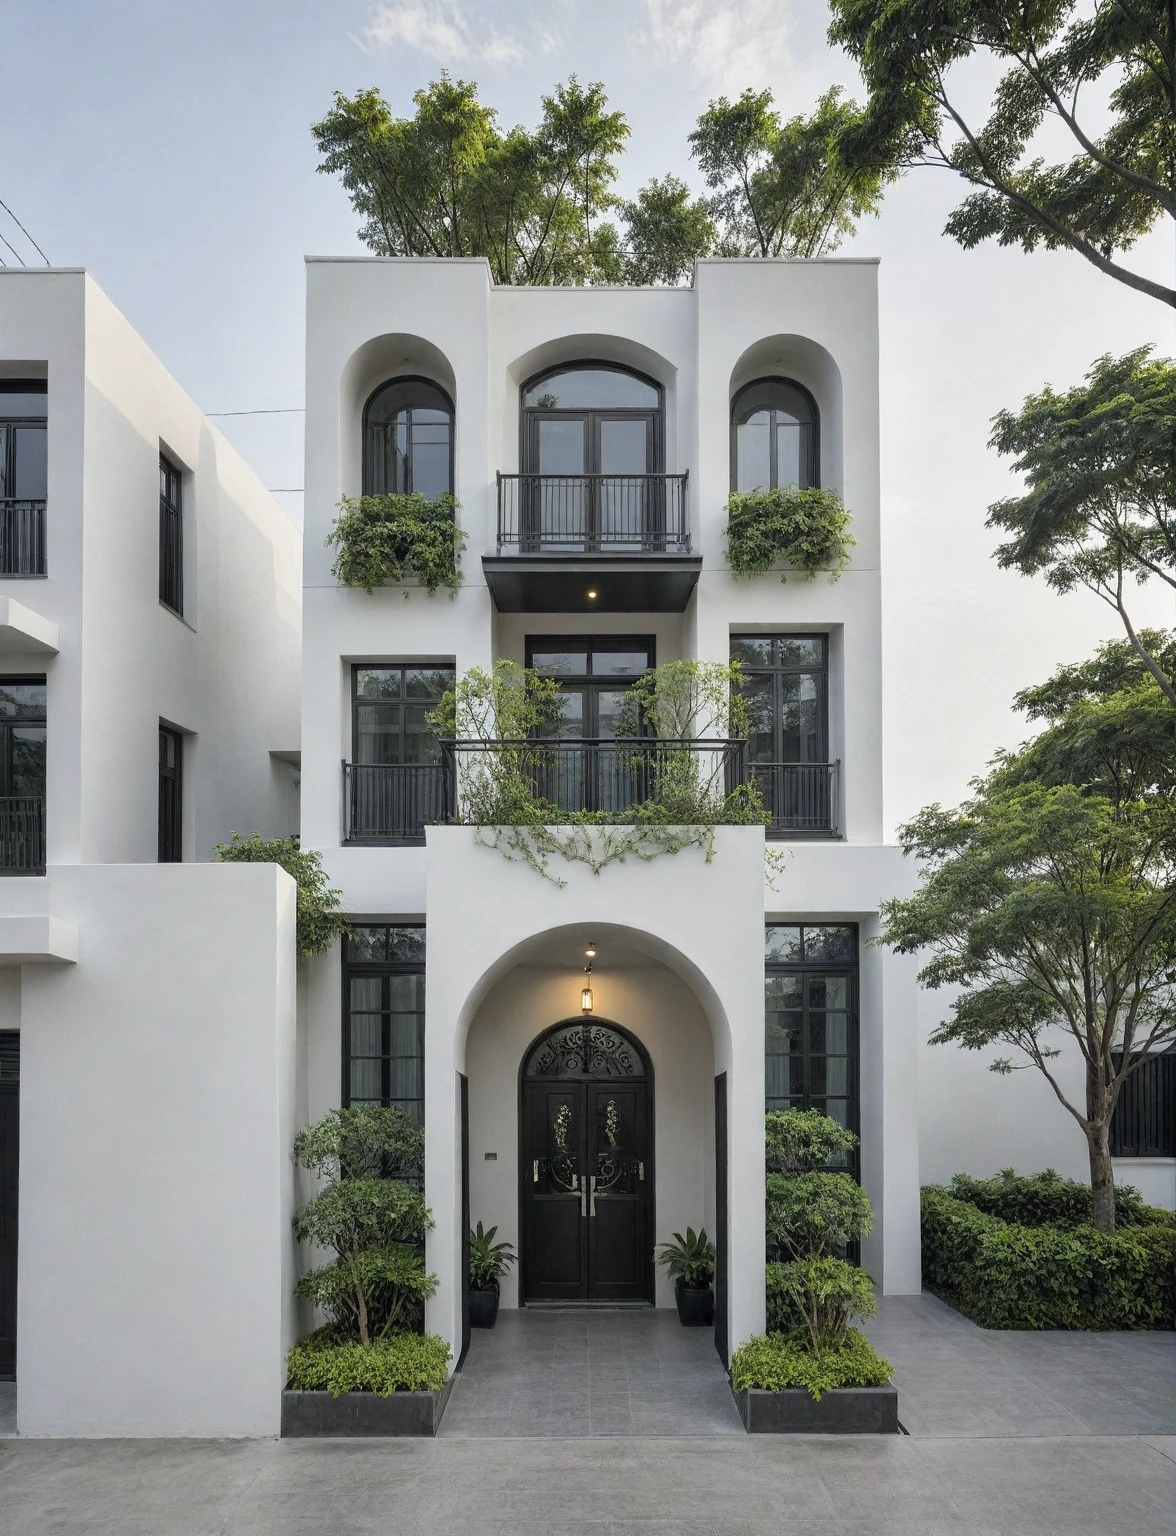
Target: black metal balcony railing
[588, 514]
[800, 797]
[607, 775]
[22, 537]
[22, 835]
[391, 802]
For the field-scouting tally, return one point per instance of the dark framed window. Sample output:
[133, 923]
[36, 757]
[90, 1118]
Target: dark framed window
[384, 1016]
[1144, 1121]
[23, 728]
[775, 436]
[390, 708]
[408, 440]
[594, 673]
[811, 1018]
[171, 796]
[24, 467]
[785, 679]
[171, 535]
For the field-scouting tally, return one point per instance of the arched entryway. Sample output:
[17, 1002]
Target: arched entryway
[586, 1165]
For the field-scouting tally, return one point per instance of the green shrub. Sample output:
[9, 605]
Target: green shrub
[806, 530]
[1009, 1275]
[812, 1213]
[826, 1294]
[775, 1363]
[783, 1315]
[804, 1141]
[1047, 1200]
[378, 539]
[402, 1362]
[318, 920]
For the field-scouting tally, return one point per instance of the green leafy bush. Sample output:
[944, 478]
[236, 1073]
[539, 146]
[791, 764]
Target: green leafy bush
[489, 1260]
[689, 1261]
[402, 1362]
[319, 923]
[805, 531]
[1046, 1199]
[395, 538]
[825, 1294]
[1005, 1274]
[813, 1213]
[804, 1140]
[775, 1363]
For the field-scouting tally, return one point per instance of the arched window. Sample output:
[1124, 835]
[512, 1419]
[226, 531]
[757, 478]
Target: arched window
[774, 437]
[408, 439]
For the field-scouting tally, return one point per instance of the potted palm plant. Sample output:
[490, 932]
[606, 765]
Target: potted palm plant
[489, 1261]
[690, 1263]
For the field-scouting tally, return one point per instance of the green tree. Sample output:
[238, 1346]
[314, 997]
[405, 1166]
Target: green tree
[666, 231]
[1099, 507]
[1102, 80]
[319, 921]
[782, 189]
[1052, 908]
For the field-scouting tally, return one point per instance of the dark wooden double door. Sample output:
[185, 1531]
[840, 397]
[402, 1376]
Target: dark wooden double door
[586, 1184]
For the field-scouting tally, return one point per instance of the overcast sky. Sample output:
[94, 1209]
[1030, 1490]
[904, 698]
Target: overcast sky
[166, 147]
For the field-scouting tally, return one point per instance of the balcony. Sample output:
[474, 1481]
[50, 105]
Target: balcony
[592, 544]
[22, 537]
[22, 835]
[801, 798]
[391, 802]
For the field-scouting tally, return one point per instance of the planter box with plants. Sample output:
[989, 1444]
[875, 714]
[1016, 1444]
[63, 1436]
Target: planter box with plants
[396, 538]
[787, 529]
[690, 1263]
[489, 1261]
[370, 1370]
[813, 1372]
[1021, 1252]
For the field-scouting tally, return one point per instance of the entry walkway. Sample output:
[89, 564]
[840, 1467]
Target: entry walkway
[560, 1374]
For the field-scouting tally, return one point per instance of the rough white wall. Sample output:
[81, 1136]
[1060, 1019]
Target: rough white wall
[156, 1188]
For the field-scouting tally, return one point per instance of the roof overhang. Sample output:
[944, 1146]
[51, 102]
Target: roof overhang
[22, 630]
[544, 583]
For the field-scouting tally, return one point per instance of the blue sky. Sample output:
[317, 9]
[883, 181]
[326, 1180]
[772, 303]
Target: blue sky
[166, 147]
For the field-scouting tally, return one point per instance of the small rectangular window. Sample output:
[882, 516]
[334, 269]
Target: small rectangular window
[384, 1016]
[1144, 1121]
[171, 536]
[171, 796]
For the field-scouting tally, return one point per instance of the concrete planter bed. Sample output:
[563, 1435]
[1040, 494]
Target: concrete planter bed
[844, 1411]
[363, 1413]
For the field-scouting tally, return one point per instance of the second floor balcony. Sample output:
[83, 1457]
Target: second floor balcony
[22, 835]
[22, 536]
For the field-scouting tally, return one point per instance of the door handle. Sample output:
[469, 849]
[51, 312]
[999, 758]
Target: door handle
[535, 1171]
[592, 1195]
[583, 1199]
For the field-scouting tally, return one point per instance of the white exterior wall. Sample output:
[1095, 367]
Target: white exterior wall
[227, 673]
[156, 1186]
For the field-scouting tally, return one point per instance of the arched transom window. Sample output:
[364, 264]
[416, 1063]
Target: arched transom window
[408, 440]
[774, 437]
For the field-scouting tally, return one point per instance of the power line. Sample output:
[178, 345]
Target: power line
[14, 251]
[280, 410]
[25, 233]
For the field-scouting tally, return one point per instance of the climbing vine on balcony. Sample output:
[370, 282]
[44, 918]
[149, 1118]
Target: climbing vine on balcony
[397, 538]
[506, 722]
[790, 529]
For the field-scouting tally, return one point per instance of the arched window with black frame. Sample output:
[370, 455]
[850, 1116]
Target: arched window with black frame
[775, 437]
[408, 440]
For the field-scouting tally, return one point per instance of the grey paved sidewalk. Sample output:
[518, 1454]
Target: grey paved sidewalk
[721, 1486]
[954, 1378]
[591, 1373]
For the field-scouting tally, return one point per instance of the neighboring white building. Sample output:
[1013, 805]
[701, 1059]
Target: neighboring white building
[149, 644]
[423, 375]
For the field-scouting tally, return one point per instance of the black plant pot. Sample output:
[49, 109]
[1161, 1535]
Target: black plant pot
[483, 1309]
[696, 1306]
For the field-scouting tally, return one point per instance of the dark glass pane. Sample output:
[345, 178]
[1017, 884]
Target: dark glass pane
[828, 1074]
[25, 400]
[406, 993]
[590, 389]
[560, 663]
[788, 453]
[759, 690]
[782, 943]
[29, 478]
[22, 701]
[752, 650]
[427, 682]
[562, 451]
[377, 682]
[619, 663]
[406, 1078]
[753, 462]
[800, 722]
[829, 1032]
[366, 992]
[830, 992]
[367, 1031]
[430, 461]
[832, 944]
[367, 943]
[783, 1076]
[776, 395]
[378, 735]
[366, 1079]
[408, 944]
[28, 760]
[801, 650]
[402, 394]
[784, 991]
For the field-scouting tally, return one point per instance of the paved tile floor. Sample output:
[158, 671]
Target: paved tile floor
[954, 1378]
[563, 1373]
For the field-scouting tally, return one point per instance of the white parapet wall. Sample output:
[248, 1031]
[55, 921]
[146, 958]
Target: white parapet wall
[158, 1088]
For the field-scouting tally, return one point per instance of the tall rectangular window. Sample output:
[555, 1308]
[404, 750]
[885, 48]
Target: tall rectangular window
[171, 535]
[392, 785]
[22, 775]
[384, 1016]
[171, 796]
[811, 1020]
[785, 680]
[23, 476]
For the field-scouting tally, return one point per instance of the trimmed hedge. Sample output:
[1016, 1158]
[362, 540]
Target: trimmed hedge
[402, 1362]
[1004, 1274]
[1047, 1200]
[774, 1363]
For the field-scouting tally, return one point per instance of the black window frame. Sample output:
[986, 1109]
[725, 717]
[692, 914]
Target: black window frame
[530, 415]
[356, 966]
[813, 425]
[367, 465]
[402, 667]
[1143, 1123]
[804, 967]
[171, 535]
[171, 796]
[41, 421]
[777, 671]
[22, 518]
[22, 817]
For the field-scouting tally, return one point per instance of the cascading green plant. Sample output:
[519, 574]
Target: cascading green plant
[797, 531]
[397, 538]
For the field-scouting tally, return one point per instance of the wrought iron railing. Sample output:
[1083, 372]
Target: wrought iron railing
[485, 781]
[391, 802]
[22, 835]
[799, 797]
[583, 514]
[22, 537]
